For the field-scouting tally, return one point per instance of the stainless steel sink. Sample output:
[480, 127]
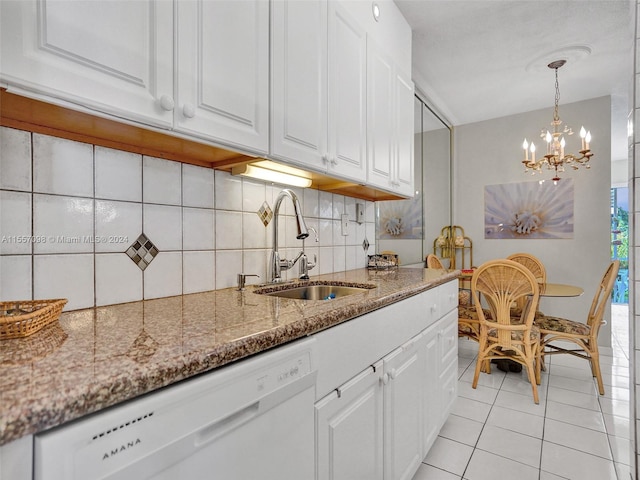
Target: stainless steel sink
[315, 292]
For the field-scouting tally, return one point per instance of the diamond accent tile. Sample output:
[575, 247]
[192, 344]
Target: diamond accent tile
[265, 213]
[142, 252]
[365, 245]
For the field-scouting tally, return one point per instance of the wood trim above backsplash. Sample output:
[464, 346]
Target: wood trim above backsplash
[33, 115]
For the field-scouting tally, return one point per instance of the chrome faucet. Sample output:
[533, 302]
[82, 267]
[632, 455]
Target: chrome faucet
[305, 264]
[276, 265]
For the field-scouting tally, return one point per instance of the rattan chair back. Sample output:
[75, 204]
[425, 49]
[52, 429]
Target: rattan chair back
[534, 265]
[434, 262]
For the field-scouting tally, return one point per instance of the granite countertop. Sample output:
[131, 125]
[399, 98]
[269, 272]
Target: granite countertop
[94, 358]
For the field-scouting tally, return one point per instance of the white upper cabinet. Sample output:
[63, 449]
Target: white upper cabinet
[389, 123]
[347, 73]
[115, 57]
[223, 72]
[318, 71]
[298, 75]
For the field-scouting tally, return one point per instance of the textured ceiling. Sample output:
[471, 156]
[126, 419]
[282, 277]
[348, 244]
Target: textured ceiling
[480, 59]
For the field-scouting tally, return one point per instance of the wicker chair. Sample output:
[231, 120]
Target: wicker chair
[503, 282]
[584, 335]
[433, 261]
[537, 268]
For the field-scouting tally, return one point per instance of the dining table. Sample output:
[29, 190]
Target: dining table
[560, 290]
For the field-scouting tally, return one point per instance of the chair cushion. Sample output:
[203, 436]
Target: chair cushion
[517, 335]
[517, 313]
[468, 312]
[562, 325]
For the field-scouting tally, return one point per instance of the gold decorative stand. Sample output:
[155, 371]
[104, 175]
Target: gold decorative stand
[455, 246]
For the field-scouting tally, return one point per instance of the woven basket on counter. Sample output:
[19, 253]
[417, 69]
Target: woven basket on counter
[21, 318]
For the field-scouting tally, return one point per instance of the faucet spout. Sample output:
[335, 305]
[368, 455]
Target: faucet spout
[276, 265]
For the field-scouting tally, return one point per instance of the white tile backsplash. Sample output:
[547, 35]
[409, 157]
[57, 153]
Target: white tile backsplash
[15, 277]
[64, 224]
[15, 223]
[15, 159]
[161, 181]
[325, 205]
[197, 186]
[228, 230]
[228, 265]
[254, 233]
[253, 195]
[118, 225]
[91, 203]
[198, 228]
[198, 271]
[63, 167]
[162, 224]
[118, 279]
[163, 276]
[69, 276]
[118, 175]
[228, 191]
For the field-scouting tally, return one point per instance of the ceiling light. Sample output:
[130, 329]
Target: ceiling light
[555, 157]
[272, 174]
[376, 11]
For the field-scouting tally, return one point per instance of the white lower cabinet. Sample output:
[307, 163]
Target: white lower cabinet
[349, 429]
[440, 386]
[381, 422]
[403, 381]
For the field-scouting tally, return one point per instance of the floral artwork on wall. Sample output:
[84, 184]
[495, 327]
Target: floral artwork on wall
[399, 219]
[529, 210]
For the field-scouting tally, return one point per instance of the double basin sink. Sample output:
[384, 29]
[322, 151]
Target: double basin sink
[316, 291]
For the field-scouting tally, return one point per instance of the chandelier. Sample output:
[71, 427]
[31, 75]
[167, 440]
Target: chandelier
[555, 157]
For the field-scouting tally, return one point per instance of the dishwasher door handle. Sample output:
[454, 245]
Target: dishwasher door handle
[221, 427]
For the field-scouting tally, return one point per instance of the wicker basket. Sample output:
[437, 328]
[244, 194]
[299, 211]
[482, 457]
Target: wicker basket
[21, 318]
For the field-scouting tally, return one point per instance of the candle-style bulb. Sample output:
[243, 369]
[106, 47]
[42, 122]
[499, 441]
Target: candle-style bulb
[548, 137]
[583, 132]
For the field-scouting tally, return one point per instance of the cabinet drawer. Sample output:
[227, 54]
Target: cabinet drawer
[448, 296]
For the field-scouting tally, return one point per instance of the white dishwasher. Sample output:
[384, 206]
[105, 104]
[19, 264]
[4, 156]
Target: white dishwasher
[253, 419]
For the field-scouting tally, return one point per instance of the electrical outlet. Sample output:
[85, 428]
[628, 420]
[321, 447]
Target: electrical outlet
[344, 220]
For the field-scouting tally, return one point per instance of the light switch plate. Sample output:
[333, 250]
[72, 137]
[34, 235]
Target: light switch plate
[344, 220]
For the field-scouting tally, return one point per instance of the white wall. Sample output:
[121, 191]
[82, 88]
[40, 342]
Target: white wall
[489, 153]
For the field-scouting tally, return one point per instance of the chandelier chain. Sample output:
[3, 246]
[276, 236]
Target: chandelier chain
[556, 117]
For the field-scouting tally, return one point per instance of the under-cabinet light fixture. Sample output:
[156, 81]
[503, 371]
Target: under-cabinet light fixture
[272, 172]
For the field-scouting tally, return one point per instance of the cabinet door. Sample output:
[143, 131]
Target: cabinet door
[448, 369]
[404, 135]
[380, 117]
[432, 398]
[403, 378]
[349, 430]
[112, 56]
[223, 72]
[298, 74]
[347, 70]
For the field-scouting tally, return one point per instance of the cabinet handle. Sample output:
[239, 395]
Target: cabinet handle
[434, 308]
[188, 110]
[167, 103]
[333, 161]
[395, 183]
[393, 373]
[325, 159]
[385, 378]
